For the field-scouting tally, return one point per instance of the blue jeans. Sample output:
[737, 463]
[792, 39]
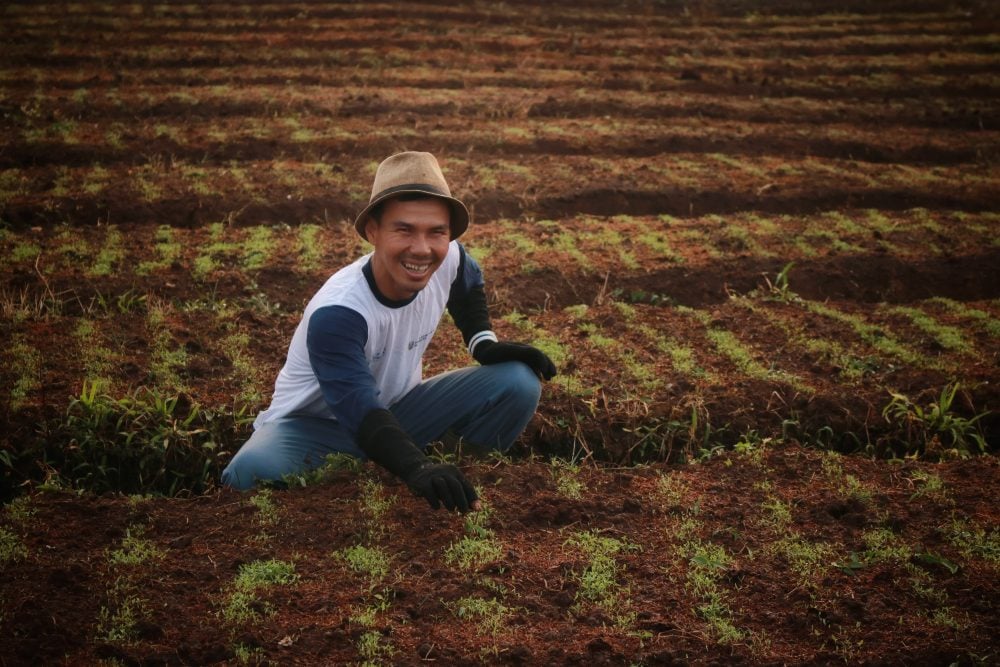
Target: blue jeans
[488, 406]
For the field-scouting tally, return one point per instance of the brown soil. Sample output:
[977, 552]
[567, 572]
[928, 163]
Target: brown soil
[866, 615]
[640, 177]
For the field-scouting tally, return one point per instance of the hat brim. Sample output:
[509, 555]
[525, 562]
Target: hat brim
[458, 220]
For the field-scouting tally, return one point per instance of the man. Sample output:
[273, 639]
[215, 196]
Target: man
[352, 380]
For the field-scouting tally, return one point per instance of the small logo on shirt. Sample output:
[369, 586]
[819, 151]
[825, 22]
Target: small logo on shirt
[414, 343]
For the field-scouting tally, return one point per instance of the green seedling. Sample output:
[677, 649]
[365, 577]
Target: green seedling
[11, 547]
[135, 549]
[375, 503]
[26, 361]
[877, 337]
[167, 358]
[672, 490]
[95, 180]
[372, 562]
[847, 486]
[730, 346]
[310, 247]
[780, 290]
[949, 338]
[598, 582]
[930, 485]
[142, 442]
[777, 514]
[489, 614]
[682, 357]
[332, 464]
[543, 340]
[245, 655]
[118, 621]
[609, 238]
[98, 361]
[658, 243]
[246, 369]
[983, 319]
[267, 511]
[258, 248]
[934, 559]
[934, 429]
[973, 541]
[751, 446]
[242, 604]
[167, 249]
[566, 242]
[805, 559]
[216, 249]
[374, 649]
[479, 546]
[567, 478]
[882, 545]
[110, 255]
[376, 604]
[707, 563]
[20, 509]
[24, 252]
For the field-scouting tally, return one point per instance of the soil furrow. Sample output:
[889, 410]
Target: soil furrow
[169, 53]
[733, 66]
[43, 154]
[724, 15]
[831, 91]
[951, 113]
[200, 210]
[871, 278]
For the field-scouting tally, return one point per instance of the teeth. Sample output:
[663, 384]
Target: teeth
[416, 268]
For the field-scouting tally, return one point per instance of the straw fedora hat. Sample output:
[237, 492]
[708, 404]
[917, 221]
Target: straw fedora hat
[413, 171]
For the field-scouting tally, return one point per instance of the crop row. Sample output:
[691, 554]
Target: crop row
[710, 556]
[587, 14]
[387, 48]
[626, 347]
[589, 245]
[820, 86]
[299, 191]
[295, 133]
[637, 381]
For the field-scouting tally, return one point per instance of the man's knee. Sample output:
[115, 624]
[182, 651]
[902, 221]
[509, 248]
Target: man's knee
[520, 384]
[249, 466]
[237, 474]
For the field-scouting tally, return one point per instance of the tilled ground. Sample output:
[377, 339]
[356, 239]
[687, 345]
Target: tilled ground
[177, 180]
[823, 584]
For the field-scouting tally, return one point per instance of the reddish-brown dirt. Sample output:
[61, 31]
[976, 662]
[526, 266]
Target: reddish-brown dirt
[639, 176]
[870, 614]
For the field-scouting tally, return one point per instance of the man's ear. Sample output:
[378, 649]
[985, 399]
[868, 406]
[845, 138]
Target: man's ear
[370, 226]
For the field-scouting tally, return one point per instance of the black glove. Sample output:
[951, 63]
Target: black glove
[487, 352]
[442, 484]
[385, 442]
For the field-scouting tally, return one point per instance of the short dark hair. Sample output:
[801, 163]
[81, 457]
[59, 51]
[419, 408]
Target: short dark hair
[376, 212]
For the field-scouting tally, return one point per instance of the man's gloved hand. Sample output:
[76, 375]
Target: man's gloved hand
[443, 484]
[385, 442]
[488, 352]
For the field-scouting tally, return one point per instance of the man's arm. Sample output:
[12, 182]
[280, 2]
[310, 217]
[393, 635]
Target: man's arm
[335, 340]
[467, 305]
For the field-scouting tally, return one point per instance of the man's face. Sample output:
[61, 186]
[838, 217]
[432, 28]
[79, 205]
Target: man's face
[410, 243]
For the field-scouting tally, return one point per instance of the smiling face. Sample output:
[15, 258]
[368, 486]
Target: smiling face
[411, 240]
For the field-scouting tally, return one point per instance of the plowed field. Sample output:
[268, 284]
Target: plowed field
[759, 240]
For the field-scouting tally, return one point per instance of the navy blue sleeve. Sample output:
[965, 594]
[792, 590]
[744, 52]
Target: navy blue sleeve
[467, 299]
[336, 340]
[469, 274]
